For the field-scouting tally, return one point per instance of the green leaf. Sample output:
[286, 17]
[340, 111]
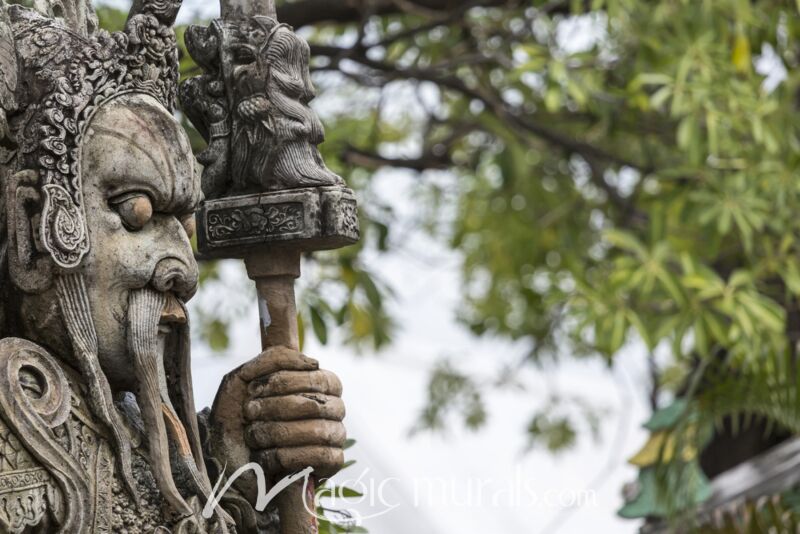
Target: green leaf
[701, 340]
[371, 290]
[767, 313]
[347, 464]
[217, 334]
[652, 78]
[741, 59]
[552, 99]
[643, 331]
[687, 132]
[347, 493]
[319, 325]
[618, 332]
[626, 241]
[791, 275]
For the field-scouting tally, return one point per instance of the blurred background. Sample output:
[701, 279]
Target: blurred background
[579, 217]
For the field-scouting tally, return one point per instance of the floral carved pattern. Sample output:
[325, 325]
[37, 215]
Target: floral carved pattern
[349, 213]
[256, 221]
[24, 497]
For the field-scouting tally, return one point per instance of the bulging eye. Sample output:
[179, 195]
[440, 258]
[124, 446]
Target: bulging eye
[190, 225]
[135, 210]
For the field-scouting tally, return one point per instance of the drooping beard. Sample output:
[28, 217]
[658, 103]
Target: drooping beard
[170, 449]
[160, 419]
[144, 314]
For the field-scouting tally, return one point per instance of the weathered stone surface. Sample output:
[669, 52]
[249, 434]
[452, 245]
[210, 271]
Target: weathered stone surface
[308, 219]
[98, 186]
[251, 104]
[270, 198]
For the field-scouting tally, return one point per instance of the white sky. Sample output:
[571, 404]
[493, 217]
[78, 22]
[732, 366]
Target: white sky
[385, 392]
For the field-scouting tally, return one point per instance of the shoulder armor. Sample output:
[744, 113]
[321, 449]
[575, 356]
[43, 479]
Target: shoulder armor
[35, 399]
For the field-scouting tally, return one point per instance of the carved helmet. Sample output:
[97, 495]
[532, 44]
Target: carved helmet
[58, 68]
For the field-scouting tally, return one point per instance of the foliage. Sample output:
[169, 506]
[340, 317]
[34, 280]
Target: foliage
[623, 174]
[337, 521]
[771, 391]
[777, 513]
[450, 390]
[623, 171]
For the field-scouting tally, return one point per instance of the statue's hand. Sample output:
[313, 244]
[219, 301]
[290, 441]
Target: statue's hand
[293, 414]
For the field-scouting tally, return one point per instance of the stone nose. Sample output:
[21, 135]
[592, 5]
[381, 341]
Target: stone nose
[174, 276]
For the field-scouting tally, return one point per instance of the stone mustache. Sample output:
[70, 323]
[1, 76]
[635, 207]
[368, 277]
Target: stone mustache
[98, 187]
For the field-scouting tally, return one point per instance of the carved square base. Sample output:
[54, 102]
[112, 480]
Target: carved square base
[306, 219]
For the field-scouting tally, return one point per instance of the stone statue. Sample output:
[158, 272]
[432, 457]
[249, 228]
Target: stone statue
[269, 196]
[251, 105]
[98, 186]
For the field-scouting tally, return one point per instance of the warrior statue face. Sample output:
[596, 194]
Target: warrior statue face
[99, 200]
[140, 190]
[98, 186]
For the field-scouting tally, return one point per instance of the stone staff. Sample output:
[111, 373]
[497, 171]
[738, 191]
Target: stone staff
[269, 196]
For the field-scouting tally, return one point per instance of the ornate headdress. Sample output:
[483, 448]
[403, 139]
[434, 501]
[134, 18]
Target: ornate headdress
[57, 68]
[68, 68]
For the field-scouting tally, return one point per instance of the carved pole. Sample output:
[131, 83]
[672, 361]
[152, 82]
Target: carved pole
[275, 275]
[281, 226]
[269, 196]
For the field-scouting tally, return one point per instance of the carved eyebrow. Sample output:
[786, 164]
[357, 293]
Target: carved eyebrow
[168, 197]
[133, 142]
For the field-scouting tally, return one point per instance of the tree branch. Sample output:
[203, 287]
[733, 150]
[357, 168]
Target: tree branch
[310, 12]
[514, 117]
[371, 160]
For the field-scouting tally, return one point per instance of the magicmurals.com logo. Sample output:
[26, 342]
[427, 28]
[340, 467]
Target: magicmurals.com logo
[512, 492]
[331, 492]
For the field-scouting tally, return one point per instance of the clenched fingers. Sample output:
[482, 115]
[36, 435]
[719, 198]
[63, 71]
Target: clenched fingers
[277, 359]
[295, 382]
[276, 435]
[295, 407]
[326, 461]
